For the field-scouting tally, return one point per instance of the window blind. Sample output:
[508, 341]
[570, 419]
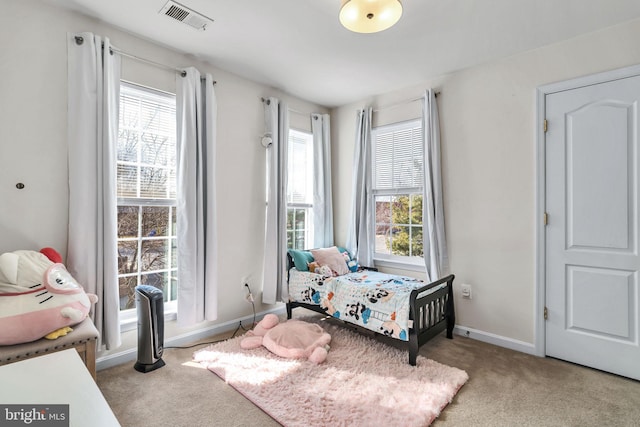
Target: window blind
[300, 188]
[146, 144]
[398, 156]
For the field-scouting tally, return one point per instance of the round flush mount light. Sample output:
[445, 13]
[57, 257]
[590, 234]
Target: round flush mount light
[370, 16]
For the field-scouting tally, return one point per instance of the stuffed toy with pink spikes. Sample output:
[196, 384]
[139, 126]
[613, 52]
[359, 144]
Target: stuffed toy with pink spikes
[293, 339]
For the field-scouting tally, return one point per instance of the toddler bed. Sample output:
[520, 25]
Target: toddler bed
[400, 311]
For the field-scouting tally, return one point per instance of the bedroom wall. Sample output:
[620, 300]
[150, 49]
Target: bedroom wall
[33, 147]
[487, 118]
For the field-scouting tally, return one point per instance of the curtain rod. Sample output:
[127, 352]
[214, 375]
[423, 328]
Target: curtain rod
[291, 110]
[398, 104]
[80, 40]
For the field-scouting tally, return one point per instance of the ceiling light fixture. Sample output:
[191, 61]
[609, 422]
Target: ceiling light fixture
[370, 16]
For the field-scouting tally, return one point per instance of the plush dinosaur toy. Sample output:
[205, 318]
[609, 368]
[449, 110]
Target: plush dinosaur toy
[293, 339]
[38, 297]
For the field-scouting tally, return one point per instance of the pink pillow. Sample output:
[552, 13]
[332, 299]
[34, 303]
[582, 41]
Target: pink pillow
[332, 258]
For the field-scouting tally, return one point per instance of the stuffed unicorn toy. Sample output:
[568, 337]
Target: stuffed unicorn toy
[38, 297]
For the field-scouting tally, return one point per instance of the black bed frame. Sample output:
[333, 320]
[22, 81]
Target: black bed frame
[431, 314]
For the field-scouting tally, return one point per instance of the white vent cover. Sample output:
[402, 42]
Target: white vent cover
[185, 15]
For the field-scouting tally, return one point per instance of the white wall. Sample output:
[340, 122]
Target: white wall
[487, 118]
[33, 144]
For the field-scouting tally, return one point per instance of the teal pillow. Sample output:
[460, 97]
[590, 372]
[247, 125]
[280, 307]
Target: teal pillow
[341, 249]
[301, 259]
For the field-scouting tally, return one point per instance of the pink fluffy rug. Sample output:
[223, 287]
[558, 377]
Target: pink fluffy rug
[362, 383]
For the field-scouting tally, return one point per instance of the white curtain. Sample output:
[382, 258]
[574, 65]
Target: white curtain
[196, 111]
[322, 197]
[276, 118]
[434, 241]
[361, 221]
[94, 87]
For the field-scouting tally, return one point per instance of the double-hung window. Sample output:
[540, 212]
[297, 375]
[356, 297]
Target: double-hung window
[146, 190]
[300, 190]
[397, 190]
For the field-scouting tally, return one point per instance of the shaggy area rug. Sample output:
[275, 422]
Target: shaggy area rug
[362, 382]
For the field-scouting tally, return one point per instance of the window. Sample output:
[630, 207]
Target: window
[146, 186]
[300, 190]
[397, 192]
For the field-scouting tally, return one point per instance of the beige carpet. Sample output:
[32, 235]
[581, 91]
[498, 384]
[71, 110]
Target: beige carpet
[506, 388]
[362, 383]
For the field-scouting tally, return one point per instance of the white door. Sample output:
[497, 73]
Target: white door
[592, 255]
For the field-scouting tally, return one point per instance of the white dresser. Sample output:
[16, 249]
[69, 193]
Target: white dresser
[56, 378]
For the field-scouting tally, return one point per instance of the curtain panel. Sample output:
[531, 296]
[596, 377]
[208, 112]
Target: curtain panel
[434, 240]
[196, 112]
[93, 103]
[322, 194]
[274, 289]
[362, 215]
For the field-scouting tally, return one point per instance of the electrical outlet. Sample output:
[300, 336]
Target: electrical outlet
[244, 280]
[466, 291]
[245, 286]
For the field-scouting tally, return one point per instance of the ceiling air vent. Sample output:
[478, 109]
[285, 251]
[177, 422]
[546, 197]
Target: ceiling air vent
[185, 15]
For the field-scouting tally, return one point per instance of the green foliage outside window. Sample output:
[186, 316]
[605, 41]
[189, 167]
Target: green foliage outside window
[406, 224]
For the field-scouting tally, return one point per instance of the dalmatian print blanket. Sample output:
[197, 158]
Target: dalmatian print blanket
[373, 300]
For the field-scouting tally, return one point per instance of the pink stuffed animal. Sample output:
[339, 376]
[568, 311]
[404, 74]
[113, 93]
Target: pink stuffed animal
[293, 339]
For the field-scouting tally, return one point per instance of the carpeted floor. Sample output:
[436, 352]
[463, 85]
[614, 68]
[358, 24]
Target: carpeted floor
[506, 388]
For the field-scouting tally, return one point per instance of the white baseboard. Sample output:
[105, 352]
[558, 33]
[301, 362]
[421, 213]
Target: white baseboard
[510, 343]
[130, 355]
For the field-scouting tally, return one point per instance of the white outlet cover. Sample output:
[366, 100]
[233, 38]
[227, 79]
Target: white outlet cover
[466, 291]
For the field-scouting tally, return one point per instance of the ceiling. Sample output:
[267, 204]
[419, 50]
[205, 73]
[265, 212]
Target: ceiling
[300, 47]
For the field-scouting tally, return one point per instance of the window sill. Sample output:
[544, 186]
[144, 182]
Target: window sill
[399, 265]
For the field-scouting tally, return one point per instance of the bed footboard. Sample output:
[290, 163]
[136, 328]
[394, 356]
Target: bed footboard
[431, 314]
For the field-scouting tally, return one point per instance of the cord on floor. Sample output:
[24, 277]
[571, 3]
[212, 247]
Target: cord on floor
[224, 339]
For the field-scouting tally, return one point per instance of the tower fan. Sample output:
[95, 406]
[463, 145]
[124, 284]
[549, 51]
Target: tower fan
[150, 309]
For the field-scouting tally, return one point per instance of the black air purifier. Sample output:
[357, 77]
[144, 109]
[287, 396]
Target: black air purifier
[150, 309]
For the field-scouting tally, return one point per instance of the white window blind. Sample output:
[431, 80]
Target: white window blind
[300, 185]
[146, 144]
[398, 156]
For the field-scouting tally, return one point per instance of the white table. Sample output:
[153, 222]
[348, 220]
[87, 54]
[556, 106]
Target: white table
[57, 378]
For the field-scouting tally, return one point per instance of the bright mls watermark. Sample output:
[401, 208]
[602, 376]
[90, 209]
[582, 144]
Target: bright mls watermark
[34, 415]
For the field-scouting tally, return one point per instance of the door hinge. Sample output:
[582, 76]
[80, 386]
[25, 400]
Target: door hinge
[544, 124]
[545, 218]
[546, 314]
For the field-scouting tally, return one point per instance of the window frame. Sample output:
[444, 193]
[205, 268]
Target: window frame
[128, 317]
[415, 263]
